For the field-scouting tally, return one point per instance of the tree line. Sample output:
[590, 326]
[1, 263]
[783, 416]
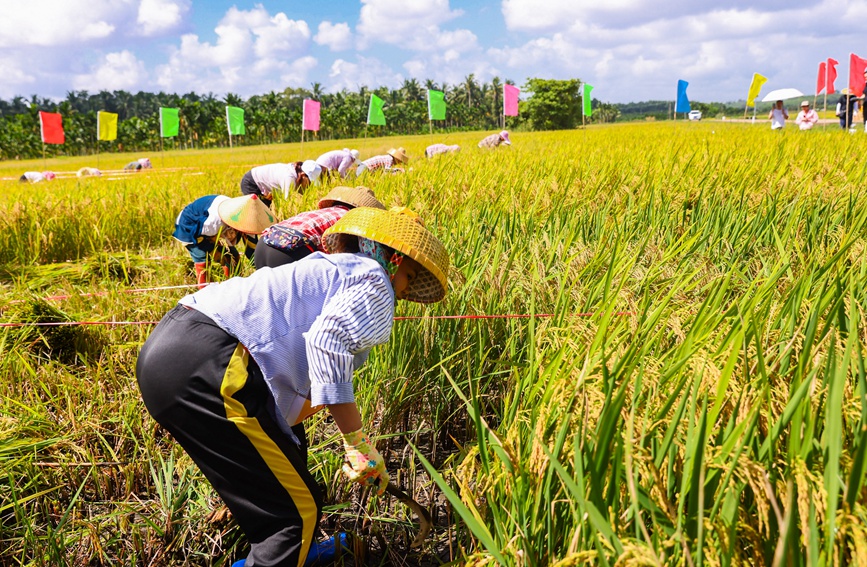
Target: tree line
[275, 117]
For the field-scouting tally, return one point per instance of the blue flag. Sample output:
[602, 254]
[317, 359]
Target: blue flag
[682, 100]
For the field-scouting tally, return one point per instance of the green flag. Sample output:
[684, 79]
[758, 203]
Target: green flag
[436, 105]
[235, 120]
[170, 123]
[585, 98]
[106, 125]
[375, 115]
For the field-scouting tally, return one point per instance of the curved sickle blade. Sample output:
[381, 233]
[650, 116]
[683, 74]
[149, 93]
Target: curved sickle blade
[424, 518]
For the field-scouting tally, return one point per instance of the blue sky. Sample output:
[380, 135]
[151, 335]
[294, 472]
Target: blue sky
[629, 50]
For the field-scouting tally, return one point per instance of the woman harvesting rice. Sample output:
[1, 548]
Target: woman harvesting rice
[232, 369]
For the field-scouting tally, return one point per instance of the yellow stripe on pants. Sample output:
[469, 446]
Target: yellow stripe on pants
[235, 379]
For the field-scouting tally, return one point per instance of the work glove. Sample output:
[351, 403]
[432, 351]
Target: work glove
[364, 464]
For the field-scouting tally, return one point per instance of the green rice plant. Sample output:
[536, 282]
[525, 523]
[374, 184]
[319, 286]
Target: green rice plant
[691, 389]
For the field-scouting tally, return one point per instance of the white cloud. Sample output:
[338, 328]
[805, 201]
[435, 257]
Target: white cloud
[254, 53]
[368, 72]
[402, 23]
[338, 37]
[159, 16]
[68, 21]
[117, 71]
[640, 53]
[15, 78]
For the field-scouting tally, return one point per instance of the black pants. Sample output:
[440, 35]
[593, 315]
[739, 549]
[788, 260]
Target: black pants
[249, 187]
[268, 257]
[200, 383]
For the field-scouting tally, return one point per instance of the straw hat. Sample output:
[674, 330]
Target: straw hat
[353, 196]
[399, 154]
[247, 214]
[805, 103]
[405, 234]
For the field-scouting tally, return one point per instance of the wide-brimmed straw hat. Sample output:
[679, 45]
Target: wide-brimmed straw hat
[403, 233]
[353, 196]
[247, 214]
[399, 154]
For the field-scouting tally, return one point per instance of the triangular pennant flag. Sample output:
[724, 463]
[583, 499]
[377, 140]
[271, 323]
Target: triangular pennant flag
[831, 68]
[235, 120]
[755, 89]
[170, 122]
[820, 79]
[857, 66]
[310, 115]
[106, 126]
[436, 105]
[51, 127]
[375, 115]
[682, 100]
[510, 100]
[586, 102]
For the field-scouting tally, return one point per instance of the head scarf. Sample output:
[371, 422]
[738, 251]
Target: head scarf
[386, 257]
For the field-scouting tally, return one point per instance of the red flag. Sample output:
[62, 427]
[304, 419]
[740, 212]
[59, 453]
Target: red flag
[832, 75]
[857, 66]
[510, 100]
[310, 115]
[51, 127]
[820, 81]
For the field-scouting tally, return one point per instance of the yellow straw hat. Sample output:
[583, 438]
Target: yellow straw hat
[247, 214]
[399, 154]
[404, 233]
[353, 196]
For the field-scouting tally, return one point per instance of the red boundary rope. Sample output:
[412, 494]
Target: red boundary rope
[401, 318]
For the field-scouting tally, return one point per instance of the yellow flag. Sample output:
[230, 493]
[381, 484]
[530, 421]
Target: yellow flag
[755, 87]
[106, 125]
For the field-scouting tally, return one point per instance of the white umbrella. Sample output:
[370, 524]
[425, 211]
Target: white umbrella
[782, 94]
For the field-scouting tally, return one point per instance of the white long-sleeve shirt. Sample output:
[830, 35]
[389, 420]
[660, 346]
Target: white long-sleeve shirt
[308, 325]
[270, 177]
[337, 160]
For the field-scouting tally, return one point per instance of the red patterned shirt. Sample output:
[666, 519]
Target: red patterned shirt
[378, 162]
[311, 224]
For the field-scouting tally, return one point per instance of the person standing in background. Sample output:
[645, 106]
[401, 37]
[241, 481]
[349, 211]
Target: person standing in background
[778, 116]
[807, 118]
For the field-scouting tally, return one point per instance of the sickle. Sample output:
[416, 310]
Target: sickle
[424, 517]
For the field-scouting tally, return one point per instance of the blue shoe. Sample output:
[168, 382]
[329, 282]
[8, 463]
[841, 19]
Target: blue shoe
[325, 552]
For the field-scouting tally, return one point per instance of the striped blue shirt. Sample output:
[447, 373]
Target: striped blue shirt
[308, 324]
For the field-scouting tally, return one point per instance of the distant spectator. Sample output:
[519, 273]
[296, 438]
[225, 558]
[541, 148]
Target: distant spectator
[36, 176]
[495, 140]
[807, 118]
[847, 107]
[88, 172]
[338, 162]
[436, 149]
[264, 179]
[778, 116]
[387, 162]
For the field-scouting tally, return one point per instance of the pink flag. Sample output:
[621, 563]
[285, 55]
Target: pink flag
[310, 115]
[857, 68]
[820, 80]
[831, 68]
[510, 100]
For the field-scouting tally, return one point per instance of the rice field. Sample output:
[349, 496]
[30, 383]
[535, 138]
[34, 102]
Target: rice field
[689, 388]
